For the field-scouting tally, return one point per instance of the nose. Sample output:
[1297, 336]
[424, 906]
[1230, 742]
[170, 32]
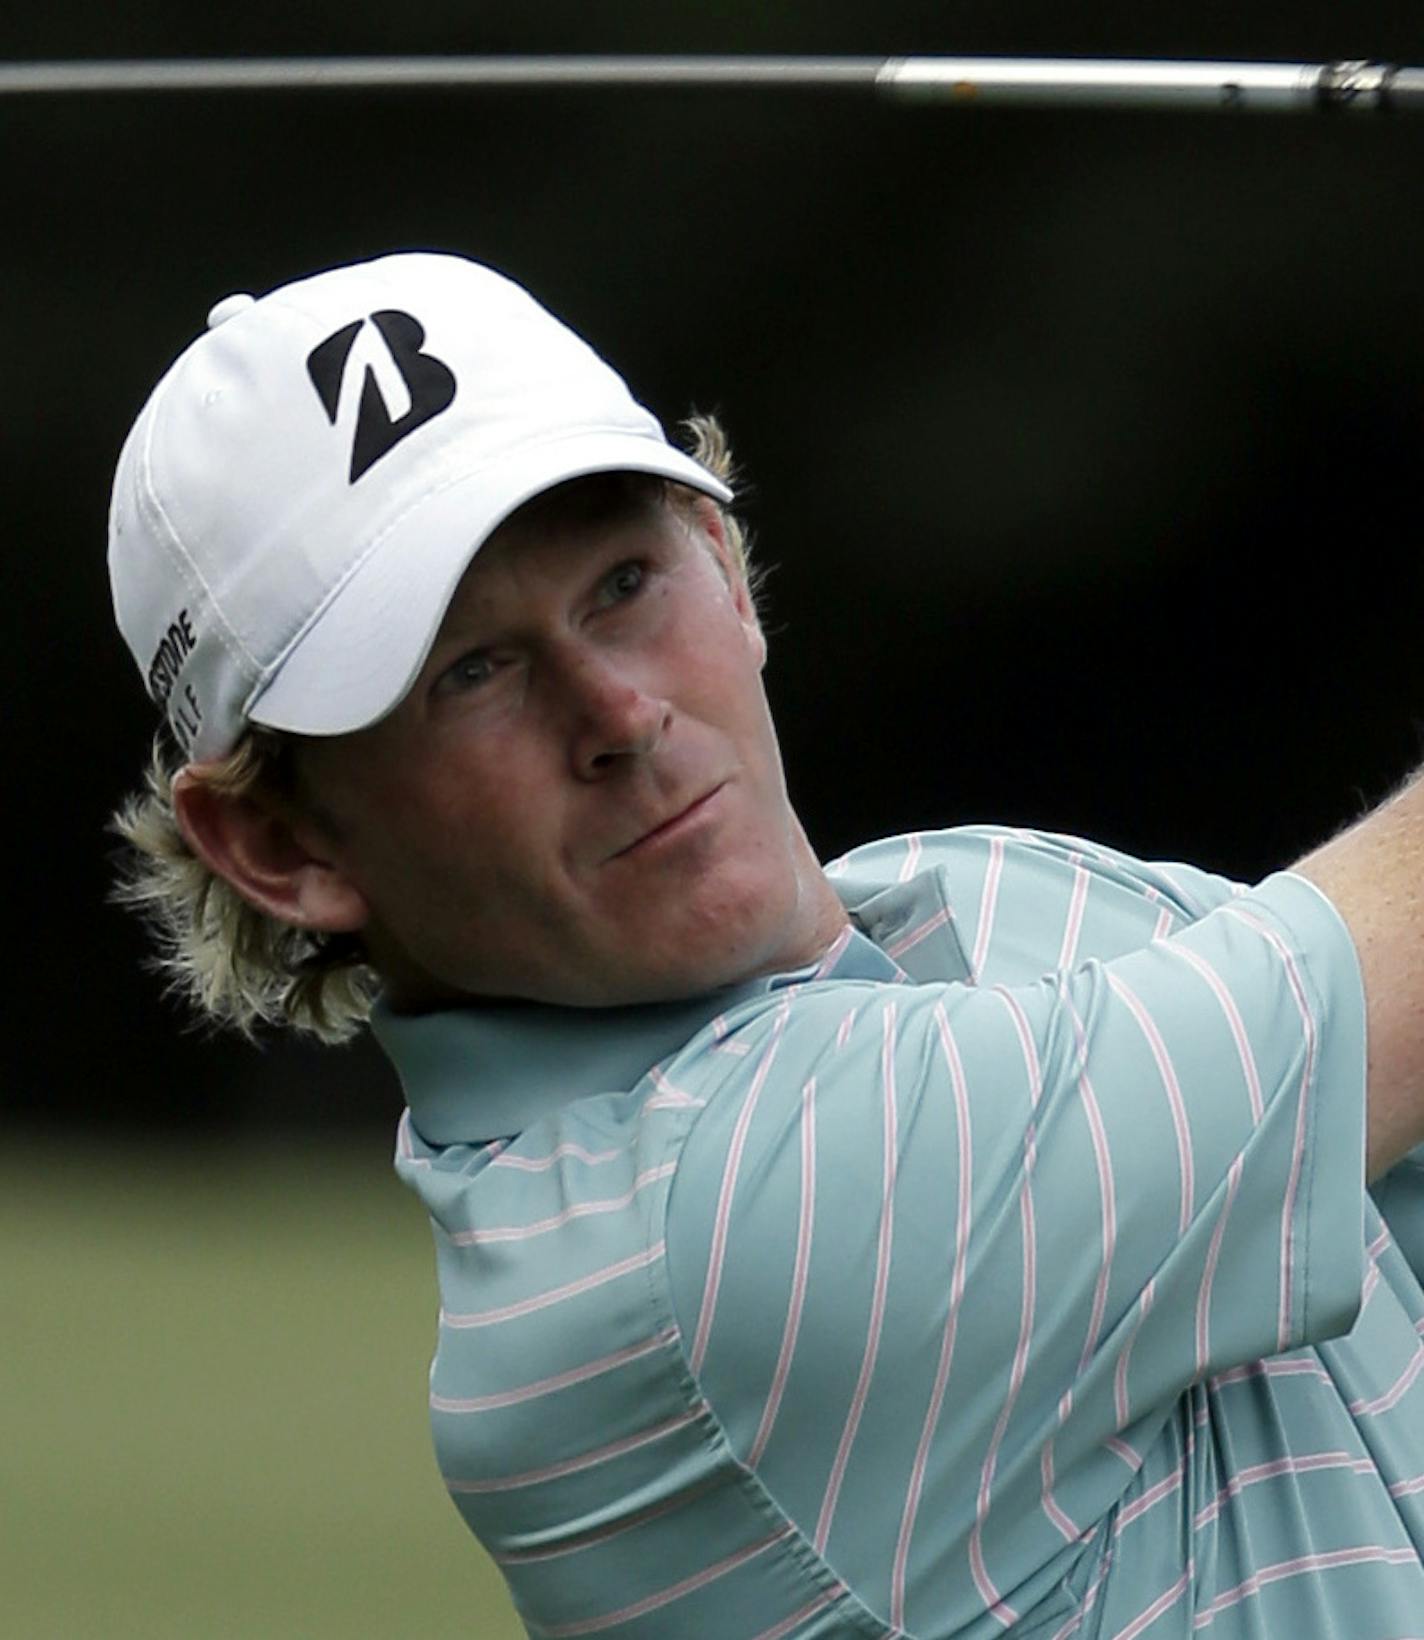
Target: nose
[614, 718]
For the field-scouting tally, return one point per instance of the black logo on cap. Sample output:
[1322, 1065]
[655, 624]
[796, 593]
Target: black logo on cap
[428, 380]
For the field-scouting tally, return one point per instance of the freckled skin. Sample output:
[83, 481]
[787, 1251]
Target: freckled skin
[586, 687]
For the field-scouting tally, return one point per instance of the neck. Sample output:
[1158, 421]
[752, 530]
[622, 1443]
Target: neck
[820, 915]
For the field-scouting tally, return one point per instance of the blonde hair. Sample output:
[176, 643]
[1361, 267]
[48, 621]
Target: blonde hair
[235, 965]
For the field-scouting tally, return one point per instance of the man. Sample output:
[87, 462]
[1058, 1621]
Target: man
[969, 1237]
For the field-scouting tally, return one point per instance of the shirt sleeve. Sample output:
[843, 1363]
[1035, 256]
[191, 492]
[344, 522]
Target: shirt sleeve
[1031, 902]
[993, 1232]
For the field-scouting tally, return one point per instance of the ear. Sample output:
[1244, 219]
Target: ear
[273, 863]
[711, 524]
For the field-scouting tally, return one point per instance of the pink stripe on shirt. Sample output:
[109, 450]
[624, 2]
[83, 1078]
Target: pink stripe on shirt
[1167, 1071]
[988, 1591]
[834, 952]
[1213, 1257]
[1396, 1392]
[962, 1229]
[1276, 1366]
[405, 1145]
[1074, 927]
[1067, 1527]
[908, 942]
[1153, 1495]
[988, 904]
[581, 1460]
[560, 1380]
[556, 1221]
[882, 1281]
[665, 1597]
[788, 1625]
[805, 1225]
[1106, 1193]
[1234, 1023]
[911, 863]
[1306, 1464]
[542, 1164]
[1307, 1080]
[1164, 1602]
[1089, 1600]
[1120, 1449]
[729, 1184]
[555, 1295]
[1363, 1554]
[1121, 1404]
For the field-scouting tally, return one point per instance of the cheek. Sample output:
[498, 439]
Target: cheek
[750, 719]
[482, 829]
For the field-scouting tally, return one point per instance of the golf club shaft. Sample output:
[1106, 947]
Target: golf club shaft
[967, 81]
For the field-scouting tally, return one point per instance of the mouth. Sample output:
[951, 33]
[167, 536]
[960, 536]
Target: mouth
[675, 826]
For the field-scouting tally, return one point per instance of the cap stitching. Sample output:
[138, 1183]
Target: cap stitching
[149, 500]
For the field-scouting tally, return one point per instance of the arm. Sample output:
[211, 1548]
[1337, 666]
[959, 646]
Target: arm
[1374, 875]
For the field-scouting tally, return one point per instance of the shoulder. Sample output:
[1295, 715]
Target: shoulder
[1025, 903]
[967, 852]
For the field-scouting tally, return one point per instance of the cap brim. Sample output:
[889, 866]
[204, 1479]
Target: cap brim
[359, 655]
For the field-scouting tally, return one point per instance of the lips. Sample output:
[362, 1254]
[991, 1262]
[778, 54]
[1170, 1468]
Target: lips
[672, 823]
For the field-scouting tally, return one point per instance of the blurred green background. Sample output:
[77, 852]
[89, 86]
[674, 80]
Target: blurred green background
[214, 1399]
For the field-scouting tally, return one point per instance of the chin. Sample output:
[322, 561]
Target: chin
[690, 972]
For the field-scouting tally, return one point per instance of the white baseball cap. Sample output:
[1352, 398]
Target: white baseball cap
[301, 494]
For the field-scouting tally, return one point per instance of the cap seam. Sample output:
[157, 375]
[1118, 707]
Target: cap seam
[187, 567]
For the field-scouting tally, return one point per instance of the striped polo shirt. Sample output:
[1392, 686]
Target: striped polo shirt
[1010, 1271]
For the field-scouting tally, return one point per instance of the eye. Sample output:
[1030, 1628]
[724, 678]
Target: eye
[625, 582]
[469, 672]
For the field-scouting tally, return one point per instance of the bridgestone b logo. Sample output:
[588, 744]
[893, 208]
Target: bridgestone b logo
[401, 387]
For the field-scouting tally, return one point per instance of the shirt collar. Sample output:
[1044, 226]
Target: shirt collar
[471, 1075]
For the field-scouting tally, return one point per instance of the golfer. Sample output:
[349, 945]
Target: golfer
[986, 1232]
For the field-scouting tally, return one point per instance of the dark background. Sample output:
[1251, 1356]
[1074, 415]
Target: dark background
[1085, 447]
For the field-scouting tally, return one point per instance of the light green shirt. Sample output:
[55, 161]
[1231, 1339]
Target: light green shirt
[1012, 1271]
